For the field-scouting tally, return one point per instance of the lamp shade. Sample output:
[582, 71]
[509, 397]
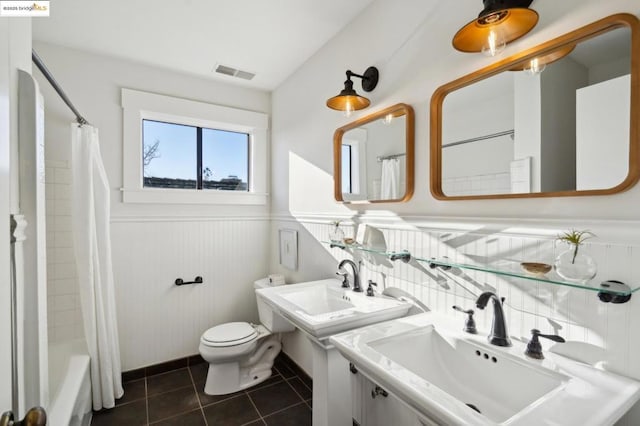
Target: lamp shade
[348, 102]
[511, 24]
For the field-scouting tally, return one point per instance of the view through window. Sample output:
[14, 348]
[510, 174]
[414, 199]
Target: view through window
[346, 169]
[189, 157]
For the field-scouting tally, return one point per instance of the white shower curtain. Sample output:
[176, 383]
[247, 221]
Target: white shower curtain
[92, 243]
[390, 180]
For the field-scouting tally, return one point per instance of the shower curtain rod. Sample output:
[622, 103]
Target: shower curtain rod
[45, 71]
[481, 138]
[390, 157]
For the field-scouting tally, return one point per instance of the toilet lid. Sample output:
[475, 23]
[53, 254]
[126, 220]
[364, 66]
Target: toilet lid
[230, 334]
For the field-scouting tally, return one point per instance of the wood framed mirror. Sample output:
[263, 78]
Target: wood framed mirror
[373, 157]
[559, 119]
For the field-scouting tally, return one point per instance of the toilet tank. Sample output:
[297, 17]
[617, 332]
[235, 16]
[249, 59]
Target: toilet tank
[273, 321]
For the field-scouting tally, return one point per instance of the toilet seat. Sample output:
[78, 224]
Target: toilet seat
[229, 334]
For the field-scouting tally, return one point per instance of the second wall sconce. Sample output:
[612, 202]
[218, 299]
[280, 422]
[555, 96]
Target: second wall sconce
[499, 23]
[348, 99]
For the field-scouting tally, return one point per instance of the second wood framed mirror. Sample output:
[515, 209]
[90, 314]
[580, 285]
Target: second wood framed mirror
[373, 157]
[559, 119]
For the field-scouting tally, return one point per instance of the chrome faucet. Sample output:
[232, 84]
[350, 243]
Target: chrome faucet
[356, 277]
[498, 335]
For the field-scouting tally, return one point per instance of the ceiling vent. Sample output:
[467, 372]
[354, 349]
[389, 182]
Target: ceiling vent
[233, 72]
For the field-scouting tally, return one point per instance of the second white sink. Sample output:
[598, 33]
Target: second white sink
[450, 377]
[322, 308]
[483, 379]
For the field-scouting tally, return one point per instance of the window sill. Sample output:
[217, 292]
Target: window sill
[179, 196]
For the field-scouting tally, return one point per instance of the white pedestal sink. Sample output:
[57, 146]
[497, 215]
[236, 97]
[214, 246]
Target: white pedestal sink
[440, 372]
[321, 309]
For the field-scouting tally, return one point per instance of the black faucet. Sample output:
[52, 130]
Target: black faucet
[356, 277]
[498, 335]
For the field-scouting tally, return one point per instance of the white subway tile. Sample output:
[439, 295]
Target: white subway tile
[66, 302]
[63, 239]
[51, 272]
[62, 224]
[57, 164]
[62, 176]
[62, 318]
[63, 192]
[65, 255]
[67, 286]
[62, 208]
[65, 333]
[65, 270]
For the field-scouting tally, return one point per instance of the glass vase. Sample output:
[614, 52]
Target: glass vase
[336, 235]
[575, 265]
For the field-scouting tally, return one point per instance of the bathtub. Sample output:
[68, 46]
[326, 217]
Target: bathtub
[69, 384]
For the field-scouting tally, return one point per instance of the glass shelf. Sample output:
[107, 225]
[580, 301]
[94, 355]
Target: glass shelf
[608, 291]
[515, 270]
[403, 255]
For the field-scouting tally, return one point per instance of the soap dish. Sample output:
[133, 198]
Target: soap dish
[536, 268]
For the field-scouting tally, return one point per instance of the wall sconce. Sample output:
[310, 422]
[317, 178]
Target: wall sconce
[499, 23]
[537, 65]
[348, 100]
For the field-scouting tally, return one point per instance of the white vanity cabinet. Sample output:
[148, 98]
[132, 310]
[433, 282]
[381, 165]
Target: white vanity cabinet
[381, 410]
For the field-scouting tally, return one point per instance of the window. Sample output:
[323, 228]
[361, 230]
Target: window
[354, 167]
[181, 151]
[346, 169]
[190, 157]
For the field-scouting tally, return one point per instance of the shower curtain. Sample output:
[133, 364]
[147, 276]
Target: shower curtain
[92, 244]
[390, 180]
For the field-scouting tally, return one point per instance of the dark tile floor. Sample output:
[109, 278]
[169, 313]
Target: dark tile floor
[177, 398]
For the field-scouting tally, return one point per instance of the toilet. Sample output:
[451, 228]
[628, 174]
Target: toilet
[240, 354]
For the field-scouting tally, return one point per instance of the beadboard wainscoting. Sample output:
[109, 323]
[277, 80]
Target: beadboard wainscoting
[159, 321]
[610, 331]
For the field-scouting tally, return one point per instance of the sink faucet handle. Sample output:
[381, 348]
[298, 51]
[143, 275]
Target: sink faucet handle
[534, 348]
[345, 280]
[370, 291]
[470, 323]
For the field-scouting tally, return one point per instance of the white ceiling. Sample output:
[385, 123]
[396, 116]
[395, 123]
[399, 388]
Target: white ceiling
[270, 38]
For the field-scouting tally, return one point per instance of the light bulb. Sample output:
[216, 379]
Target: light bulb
[495, 43]
[348, 109]
[535, 67]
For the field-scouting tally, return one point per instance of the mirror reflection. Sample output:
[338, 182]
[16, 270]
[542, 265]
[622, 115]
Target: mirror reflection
[374, 157]
[554, 128]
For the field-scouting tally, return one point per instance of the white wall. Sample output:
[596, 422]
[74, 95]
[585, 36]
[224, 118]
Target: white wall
[479, 167]
[528, 116]
[414, 58]
[602, 128]
[15, 46]
[154, 244]
[559, 83]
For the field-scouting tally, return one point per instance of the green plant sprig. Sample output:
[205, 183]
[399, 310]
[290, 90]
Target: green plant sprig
[577, 238]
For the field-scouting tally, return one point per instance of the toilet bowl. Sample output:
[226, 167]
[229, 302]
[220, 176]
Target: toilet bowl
[240, 354]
